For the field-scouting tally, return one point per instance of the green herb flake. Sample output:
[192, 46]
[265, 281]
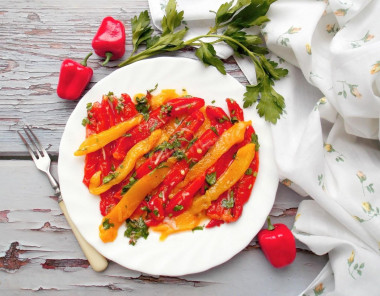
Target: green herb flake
[145, 208]
[110, 177]
[234, 119]
[230, 202]
[178, 208]
[156, 212]
[211, 178]
[213, 102]
[142, 106]
[248, 172]
[255, 140]
[132, 181]
[89, 106]
[197, 228]
[85, 121]
[192, 141]
[214, 130]
[106, 224]
[127, 135]
[152, 89]
[135, 230]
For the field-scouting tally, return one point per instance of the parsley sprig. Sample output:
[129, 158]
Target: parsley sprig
[230, 22]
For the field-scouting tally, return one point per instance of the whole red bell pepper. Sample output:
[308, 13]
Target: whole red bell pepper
[278, 244]
[73, 78]
[109, 40]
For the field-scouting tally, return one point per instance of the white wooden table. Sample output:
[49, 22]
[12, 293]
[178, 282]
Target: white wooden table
[38, 251]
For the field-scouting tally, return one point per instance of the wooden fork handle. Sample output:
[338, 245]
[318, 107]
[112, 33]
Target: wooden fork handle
[96, 260]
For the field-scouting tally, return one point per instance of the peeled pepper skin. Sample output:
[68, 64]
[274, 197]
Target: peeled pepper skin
[128, 163]
[228, 179]
[97, 141]
[130, 201]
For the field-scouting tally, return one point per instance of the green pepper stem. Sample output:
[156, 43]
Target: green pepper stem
[84, 62]
[108, 58]
[270, 225]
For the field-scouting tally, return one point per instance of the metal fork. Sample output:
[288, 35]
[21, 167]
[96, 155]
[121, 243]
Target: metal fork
[42, 161]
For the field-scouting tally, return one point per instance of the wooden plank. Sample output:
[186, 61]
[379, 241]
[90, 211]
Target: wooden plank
[37, 240]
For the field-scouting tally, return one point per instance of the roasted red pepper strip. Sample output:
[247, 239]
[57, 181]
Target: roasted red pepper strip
[218, 119]
[180, 138]
[157, 118]
[73, 78]
[236, 113]
[278, 244]
[184, 198]
[109, 40]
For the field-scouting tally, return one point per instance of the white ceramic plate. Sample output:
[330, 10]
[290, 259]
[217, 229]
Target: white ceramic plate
[182, 253]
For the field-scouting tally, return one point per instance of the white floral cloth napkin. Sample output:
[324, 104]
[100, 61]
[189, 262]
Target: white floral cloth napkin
[327, 142]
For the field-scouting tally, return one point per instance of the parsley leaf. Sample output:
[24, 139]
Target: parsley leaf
[141, 29]
[207, 54]
[135, 230]
[172, 18]
[271, 104]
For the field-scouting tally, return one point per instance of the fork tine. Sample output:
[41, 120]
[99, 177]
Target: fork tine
[33, 143]
[41, 148]
[27, 146]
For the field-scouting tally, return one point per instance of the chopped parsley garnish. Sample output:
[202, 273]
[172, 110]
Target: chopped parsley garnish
[179, 154]
[106, 224]
[156, 212]
[214, 130]
[248, 172]
[191, 143]
[234, 119]
[110, 177]
[132, 180]
[211, 178]
[143, 106]
[85, 121]
[178, 208]
[223, 119]
[255, 140]
[166, 109]
[135, 230]
[162, 165]
[145, 208]
[230, 202]
[153, 89]
[197, 228]
[127, 135]
[89, 106]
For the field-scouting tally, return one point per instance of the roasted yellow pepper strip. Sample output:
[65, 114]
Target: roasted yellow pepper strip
[230, 137]
[127, 205]
[185, 221]
[235, 171]
[164, 96]
[97, 141]
[128, 163]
